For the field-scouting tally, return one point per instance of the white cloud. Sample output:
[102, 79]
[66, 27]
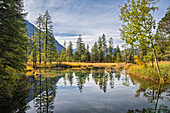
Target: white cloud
[91, 18]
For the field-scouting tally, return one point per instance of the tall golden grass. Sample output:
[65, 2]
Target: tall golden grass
[149, 72]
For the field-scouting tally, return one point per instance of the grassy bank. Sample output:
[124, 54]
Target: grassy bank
[149, 72]
[78, 64]
[104, 65]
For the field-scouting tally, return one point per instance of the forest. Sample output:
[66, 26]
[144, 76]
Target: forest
[82, 78]
[145, 40]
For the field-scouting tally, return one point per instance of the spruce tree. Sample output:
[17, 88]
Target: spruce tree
[110, 49]
[95, 53]
[80, 47]
[34, 50]
[163, 37]
[87, 54]
[70, 51]
[100, 49]
[63, 53]
[47, 27]
[13, 38]
[52, 48]
[39, 30]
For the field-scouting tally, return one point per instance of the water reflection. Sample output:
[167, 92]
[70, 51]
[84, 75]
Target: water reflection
[13, 93]
[44, 91]
[87, 90]
[153, 92]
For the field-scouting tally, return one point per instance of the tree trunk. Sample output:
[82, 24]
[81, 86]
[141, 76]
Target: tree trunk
[157, 66]
[46, 44]
[40, 48]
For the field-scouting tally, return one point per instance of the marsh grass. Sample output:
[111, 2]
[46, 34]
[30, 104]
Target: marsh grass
[150, 72]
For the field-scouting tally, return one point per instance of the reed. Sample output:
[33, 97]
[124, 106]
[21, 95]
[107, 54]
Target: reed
[150, 72]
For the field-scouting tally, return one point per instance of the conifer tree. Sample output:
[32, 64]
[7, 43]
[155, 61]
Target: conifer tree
[87, 54]
[110, 49]
[70, 51]
[39, 29]
[52, 48]
[47, 27]
[13, 40]
[63, 53]
[100, 49]
[80, 47]
[163, 37]
[34, 50]
[95, 53]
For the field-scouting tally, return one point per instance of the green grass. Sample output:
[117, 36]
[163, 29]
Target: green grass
[149, 72]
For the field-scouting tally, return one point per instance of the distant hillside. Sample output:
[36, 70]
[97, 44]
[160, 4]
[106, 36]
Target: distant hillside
[30, 33]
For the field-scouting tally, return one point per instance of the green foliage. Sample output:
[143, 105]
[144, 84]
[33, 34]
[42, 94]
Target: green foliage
[70, 51]
[138, 60]
[48, 30]
[163, 37]
[94, 56]
[80, 48]
[150, 72]
[138, 24]
[87, 54]
[117, 58]
[13, 39]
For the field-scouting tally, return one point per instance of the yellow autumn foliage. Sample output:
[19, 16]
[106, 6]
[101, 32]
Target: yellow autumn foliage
[138, 60]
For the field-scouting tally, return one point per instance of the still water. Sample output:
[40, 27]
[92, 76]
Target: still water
[82, 91]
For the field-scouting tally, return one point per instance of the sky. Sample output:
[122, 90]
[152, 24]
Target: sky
[90, 18]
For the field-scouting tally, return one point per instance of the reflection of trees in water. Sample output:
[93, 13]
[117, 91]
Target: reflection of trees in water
[118, 74]
[111, 80]
[100, 78]
[70, 77]
[126, 79]
[81, 79]
[153, 92]
[13, 93]
[44, 93]
[82, 76]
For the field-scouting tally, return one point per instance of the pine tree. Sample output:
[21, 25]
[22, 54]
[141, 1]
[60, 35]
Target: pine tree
[47, 27]
[110, 49]
[52, 48]
[163, 37]
[39, 25]
[80, 47]
[13, 40]
[70, 51]
[101, 51]
[117, 52]
[63, 53]
[87, 54]
[95, 53]
[35, 48]
[117, 58]
[104, 45]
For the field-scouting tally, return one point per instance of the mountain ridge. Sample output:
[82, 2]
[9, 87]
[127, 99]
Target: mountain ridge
[30, 33]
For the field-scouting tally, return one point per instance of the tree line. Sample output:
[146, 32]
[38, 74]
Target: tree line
[100, 52]
[137, 31]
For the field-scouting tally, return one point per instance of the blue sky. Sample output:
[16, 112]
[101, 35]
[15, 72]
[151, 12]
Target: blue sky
[91, 18]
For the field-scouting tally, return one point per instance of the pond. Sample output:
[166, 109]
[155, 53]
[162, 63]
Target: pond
[82, 91]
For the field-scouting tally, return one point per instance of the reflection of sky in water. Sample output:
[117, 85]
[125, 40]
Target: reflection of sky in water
[118, 99]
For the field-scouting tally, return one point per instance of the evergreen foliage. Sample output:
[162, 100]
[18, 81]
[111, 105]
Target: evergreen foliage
[13, 39]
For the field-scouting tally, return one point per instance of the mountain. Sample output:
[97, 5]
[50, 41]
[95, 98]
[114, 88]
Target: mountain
[30, 33]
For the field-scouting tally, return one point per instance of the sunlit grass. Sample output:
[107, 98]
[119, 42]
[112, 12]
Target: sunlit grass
[151, 73]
